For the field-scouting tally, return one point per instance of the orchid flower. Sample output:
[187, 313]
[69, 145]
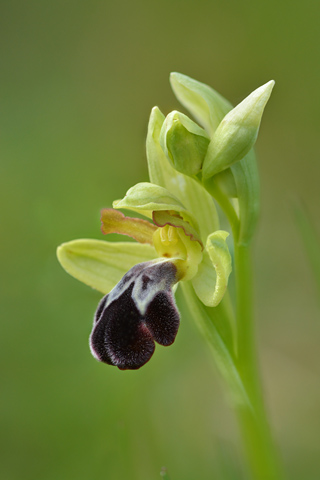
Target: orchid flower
[179, 240]
[139, 278]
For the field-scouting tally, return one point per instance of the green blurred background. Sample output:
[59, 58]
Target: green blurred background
[78, 81]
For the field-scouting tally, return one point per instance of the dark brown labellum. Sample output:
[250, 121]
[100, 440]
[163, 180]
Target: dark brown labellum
[139, 311]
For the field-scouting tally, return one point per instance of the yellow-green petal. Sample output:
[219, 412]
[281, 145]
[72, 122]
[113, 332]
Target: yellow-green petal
[211, 282]
[149, 197]
[100, 264]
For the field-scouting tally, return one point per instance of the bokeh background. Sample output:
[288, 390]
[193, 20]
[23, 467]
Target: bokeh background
[78, 81]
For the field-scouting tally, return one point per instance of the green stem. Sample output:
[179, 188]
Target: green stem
[244, 389]
[253, 422]
[259, 445]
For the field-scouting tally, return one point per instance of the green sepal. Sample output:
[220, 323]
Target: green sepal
[206, 105]
[237, 132]
[100, 264]
[189, 192]
[211, 282]
[160, 171]
[184, 143]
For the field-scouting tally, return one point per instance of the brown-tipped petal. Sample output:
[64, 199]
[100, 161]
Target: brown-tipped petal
[113, 221]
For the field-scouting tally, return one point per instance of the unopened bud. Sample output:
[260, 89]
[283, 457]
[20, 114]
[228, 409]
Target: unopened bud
[237, 132]
[184, 143]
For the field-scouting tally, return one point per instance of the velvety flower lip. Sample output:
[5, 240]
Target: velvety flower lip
[138, 312]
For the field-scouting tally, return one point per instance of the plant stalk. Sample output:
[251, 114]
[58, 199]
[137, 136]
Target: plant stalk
[259, 445]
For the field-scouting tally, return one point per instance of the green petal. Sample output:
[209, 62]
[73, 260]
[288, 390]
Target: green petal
[149, 197]
[211, 281]
[189, 192]
[99, 264]
[146, 198]
[206, 105]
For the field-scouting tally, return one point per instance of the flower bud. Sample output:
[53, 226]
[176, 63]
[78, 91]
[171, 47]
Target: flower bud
[206, 105]
[237, 132]
[184, 143]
